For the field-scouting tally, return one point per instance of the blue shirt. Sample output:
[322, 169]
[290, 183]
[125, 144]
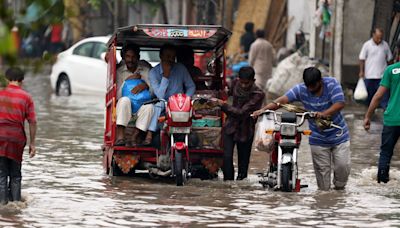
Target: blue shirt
[332, 93]
[179, 81]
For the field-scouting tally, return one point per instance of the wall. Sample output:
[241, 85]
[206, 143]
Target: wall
[357, 24]
[302, 12]
[358, 15]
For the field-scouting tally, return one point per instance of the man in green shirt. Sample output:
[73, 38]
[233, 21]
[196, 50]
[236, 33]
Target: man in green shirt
[391, 118]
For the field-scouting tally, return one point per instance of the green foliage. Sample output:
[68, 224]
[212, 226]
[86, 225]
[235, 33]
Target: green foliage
[36, 14]
[95, 3]
[6, 14]
[3, 81]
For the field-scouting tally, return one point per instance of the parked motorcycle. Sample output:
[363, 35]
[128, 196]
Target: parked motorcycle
[282, 172]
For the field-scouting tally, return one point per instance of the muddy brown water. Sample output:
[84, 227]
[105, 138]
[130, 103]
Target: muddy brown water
[65, 186]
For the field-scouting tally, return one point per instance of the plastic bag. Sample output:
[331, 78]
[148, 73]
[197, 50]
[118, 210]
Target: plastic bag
[360, 93]
[263, 141]
[136, 99]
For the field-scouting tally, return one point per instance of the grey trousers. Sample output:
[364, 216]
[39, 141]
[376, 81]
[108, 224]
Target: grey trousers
[327, 158]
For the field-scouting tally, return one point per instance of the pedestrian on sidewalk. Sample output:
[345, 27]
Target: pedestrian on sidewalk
[374, 57]
[391, 118]
[16, 106]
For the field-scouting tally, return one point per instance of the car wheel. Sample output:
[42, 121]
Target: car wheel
[63, 86]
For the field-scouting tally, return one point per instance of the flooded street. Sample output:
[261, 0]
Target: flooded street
[64, 185]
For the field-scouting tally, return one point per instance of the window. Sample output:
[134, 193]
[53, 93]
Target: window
[84, 49]
[150, 55]
[99, 49]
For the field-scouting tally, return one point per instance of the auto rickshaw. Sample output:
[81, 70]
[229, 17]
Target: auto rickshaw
[204, 148]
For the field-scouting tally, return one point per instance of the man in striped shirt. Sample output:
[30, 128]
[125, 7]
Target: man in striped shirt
[325, 97]
[16, 106]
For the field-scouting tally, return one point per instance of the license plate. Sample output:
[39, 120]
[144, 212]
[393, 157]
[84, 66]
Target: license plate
[179, 130]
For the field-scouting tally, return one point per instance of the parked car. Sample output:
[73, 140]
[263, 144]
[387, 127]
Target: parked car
[82, 68]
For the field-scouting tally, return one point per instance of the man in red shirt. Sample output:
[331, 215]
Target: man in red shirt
[16, 106]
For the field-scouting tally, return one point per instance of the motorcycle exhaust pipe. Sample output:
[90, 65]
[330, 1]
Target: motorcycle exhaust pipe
[159, 172]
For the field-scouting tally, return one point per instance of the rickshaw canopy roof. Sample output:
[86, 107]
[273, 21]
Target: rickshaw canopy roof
[203, 37]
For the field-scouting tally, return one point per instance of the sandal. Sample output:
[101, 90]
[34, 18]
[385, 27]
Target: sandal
[131, 144]
[120, 142]
[149, 138]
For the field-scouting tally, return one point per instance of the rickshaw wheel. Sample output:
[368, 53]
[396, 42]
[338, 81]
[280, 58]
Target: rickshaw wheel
[115, 170]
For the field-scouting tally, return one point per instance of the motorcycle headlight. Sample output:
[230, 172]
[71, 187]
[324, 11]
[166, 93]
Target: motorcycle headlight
[288, 130]
[180, 116]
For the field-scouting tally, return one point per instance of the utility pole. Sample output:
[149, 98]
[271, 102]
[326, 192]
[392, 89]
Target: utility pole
[336, 59]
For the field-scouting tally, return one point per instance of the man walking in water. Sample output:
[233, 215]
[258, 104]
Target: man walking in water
[16, 106]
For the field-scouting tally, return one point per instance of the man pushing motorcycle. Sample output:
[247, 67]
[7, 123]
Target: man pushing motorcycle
[330, 150]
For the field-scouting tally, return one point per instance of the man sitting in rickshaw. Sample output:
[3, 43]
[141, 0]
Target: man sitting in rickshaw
[131, 68]
[185, 55]
[166, 79]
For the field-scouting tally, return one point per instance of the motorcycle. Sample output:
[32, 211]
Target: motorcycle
[177, 125]
[282, 171]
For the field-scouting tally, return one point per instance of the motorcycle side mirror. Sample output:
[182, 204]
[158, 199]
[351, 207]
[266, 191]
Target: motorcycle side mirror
[103, 56]
[211, 67]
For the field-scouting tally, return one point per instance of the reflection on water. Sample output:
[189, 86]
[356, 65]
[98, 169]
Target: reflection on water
[64, 184]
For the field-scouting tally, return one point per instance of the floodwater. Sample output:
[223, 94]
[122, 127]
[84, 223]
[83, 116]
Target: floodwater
[65, 186]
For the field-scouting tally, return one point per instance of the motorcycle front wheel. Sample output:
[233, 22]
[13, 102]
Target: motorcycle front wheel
[180, 168]
[286, 177]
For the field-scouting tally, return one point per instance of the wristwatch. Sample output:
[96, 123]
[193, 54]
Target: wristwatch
[277, 103]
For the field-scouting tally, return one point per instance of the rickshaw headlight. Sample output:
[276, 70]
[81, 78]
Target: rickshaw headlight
[180, 116]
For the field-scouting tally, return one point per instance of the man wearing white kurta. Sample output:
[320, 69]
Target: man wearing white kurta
[131, 67]
[374, 57]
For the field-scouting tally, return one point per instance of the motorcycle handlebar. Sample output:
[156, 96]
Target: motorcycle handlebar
[153, 101]
[201, 100]
[303, 116]
[156, 100]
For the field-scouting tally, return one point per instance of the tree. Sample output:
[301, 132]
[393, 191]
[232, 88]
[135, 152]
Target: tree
[73, 13]
[38, 13]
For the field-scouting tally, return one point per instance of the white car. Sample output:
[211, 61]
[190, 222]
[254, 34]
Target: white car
[81, 69]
